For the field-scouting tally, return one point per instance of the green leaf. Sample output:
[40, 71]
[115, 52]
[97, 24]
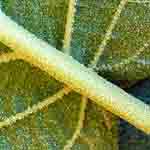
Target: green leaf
[23, 86]
[119, 60]
[50, 128]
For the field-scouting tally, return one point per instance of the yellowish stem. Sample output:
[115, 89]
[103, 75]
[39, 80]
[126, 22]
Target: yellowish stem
[79, 78]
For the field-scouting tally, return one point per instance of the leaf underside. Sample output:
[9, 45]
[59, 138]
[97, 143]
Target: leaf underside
[23, 85]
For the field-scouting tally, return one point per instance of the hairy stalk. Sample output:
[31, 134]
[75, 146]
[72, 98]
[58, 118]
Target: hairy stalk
[76, 134]
[122, 64]
[37, 107]
[69, 26]
[109, 31]
[69, 71]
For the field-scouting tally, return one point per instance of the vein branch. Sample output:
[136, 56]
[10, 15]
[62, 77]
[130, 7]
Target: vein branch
[69, 26]
[76, 134]
[109, 31]
[122, 64]
[36, 107]
[66, 48]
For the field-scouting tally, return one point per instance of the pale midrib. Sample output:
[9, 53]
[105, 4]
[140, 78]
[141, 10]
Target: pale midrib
[60, 94]
[74, 74]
